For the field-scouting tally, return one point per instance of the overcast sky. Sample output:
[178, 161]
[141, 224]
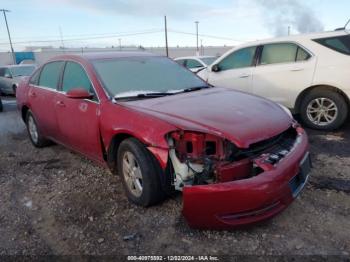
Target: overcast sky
[101, 23]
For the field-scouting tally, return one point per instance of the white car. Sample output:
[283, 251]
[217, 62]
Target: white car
[195, 63]
[309, 74]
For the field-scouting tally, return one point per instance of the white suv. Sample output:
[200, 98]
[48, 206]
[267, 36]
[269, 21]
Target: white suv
[309, 74]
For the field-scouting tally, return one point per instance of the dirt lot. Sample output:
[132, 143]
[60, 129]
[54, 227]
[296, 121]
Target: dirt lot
[53, 201]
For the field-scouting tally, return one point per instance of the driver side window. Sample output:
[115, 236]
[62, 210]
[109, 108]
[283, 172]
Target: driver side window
[239, 59]
[75, 77]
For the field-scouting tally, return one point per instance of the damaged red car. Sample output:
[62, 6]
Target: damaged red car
[237, 158]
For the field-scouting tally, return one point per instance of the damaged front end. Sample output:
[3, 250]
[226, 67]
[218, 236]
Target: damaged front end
[225, 186]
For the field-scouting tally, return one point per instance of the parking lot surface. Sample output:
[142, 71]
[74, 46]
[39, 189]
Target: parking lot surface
[53, 201]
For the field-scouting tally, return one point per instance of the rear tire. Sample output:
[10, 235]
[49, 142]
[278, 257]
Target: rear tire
[14, 87]
[34, 133]
[140, 173]
[323, 109]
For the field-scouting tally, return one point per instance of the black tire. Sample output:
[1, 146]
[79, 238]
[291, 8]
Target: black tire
[151, 188]
[1, 106]
[335, 97]
[14, 87]
[40, 141]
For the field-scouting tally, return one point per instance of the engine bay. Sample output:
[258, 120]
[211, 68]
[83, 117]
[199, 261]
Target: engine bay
[200, 159]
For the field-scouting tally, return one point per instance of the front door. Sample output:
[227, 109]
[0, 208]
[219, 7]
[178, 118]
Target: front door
[78, 119]
[235, 70]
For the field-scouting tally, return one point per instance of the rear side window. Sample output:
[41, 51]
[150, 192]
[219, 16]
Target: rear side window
[191, 63]
[302, 55]
[282, 53]
[50, 74]
[238, 59]
[340, 44]
[2, 72]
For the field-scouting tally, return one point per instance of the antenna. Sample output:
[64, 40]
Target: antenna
[347, 24]
[343, 28]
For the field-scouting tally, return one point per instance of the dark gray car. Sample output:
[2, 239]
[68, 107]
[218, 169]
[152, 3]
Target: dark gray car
[11, 75]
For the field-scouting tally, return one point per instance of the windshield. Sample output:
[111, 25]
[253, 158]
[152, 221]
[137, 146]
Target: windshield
[208, 60]
[22, 70]
[131, 76]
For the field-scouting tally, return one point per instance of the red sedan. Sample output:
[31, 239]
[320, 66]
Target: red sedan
[237, 158]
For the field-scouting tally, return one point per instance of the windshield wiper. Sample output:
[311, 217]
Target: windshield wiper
[144, 95]
[190, 89]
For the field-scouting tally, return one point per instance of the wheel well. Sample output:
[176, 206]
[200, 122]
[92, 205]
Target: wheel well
[323, 87]
[113, 150]
[24, 112]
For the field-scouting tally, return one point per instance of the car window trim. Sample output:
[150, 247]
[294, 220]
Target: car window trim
[58, 90]
[311, 55]
[83, 67]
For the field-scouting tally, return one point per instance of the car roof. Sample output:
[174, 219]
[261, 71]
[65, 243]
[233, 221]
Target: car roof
[194, 57]
[296, 37]
[103, 55]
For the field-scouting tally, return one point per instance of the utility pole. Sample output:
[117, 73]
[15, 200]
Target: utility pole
[196, 22]
[61, 36]
[8, 32]
[166, 37]
[202, 49]
[120, 44]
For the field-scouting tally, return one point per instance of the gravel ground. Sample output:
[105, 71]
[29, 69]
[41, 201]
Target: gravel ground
[56, 202]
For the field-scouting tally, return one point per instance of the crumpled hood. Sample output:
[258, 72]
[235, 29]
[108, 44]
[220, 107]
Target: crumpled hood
[239, 117]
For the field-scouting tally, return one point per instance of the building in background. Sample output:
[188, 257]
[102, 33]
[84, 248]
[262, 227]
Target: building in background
[40, 54]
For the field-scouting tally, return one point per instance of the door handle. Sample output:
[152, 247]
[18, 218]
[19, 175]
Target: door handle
[32, 94]
[297, 69]
[244, 75]
[60, 103]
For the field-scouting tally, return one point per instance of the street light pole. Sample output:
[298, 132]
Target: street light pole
[166, 37]
[197, 36]
[8, 32]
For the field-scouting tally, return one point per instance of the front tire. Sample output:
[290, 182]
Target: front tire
[33, 131]
[140, 173]
[323, 109]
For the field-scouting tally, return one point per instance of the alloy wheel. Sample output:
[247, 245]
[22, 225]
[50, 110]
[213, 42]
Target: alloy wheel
[322, 111]
[33, 130]
[132, 174]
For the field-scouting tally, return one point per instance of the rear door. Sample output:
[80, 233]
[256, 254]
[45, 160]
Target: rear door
[283, 70]
[42, 92]
[235, 70]
[78, 119]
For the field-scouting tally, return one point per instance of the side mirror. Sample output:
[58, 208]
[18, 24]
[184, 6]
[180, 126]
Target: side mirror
[215, 68]
[79, 93]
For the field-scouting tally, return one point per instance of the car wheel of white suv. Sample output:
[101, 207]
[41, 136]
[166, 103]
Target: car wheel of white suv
[323, 109]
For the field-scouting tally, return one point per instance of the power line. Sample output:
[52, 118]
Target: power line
[81, 35]
[86, 38]
[208, 36]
